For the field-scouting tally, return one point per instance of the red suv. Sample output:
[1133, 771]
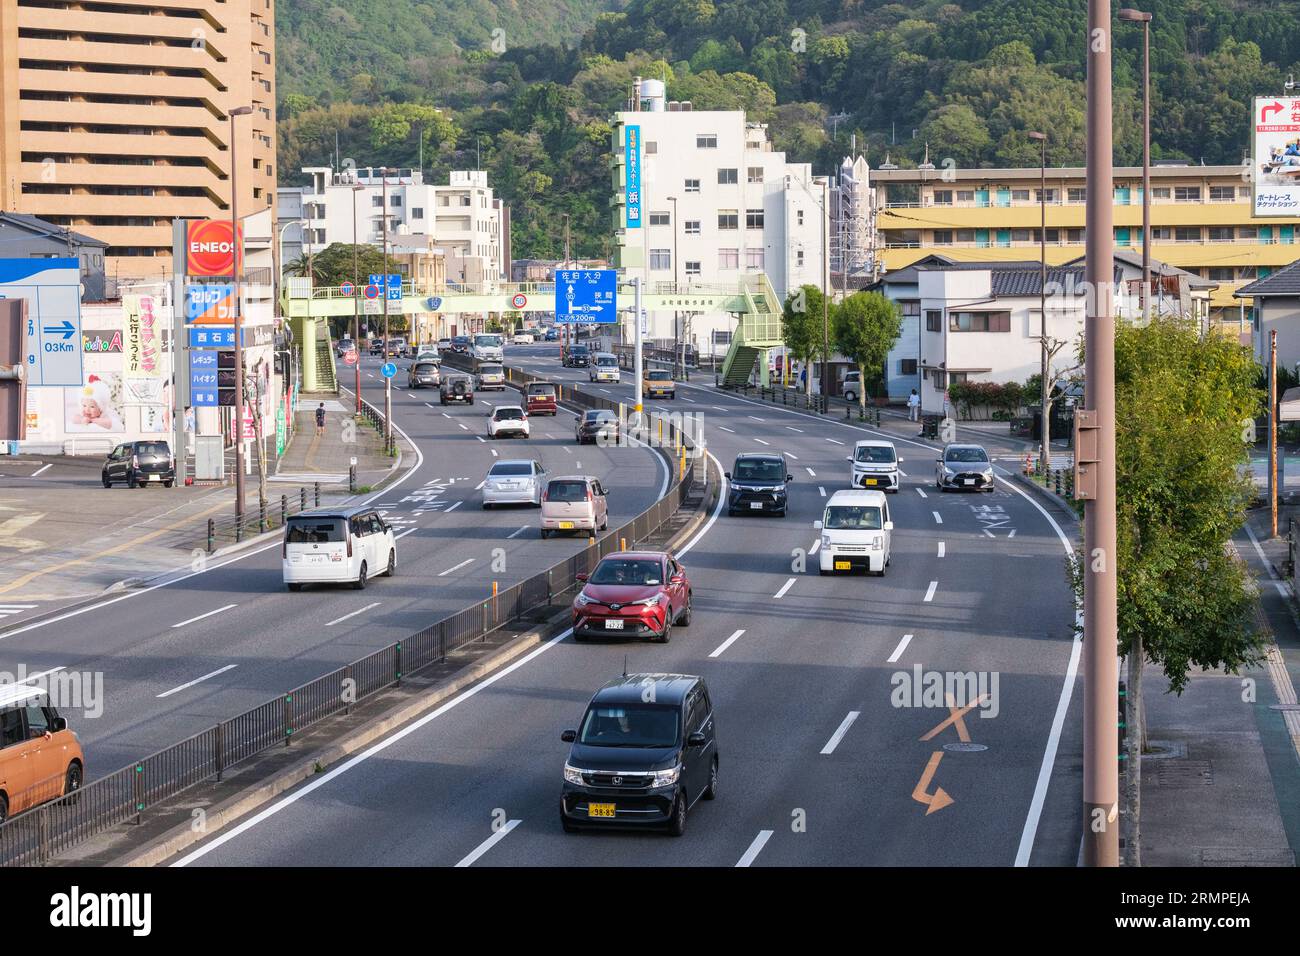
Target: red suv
[633, 593]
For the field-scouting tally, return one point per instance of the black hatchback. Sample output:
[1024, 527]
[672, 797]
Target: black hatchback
[645, 752]
[757, 484]
[140, 463]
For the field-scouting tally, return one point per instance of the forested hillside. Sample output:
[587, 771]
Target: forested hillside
[966, 79]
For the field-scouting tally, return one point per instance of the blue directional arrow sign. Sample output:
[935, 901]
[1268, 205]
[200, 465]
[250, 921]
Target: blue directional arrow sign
[586, 295]
[51, 329]
[64, 329]
[388, 370]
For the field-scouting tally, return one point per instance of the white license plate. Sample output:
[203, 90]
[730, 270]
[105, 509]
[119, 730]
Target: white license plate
[756, 505]
[155, 477]
[968, 481]
[613, 624]
[316, 559]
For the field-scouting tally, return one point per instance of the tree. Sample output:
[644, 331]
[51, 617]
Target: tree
[864, 328]
[332, 266]
[801, 327]
[1184, 403]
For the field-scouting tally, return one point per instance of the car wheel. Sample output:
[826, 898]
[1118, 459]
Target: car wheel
[169, 482]
[360, 583]
[294, 587]
[685, 619]
[72, 780]
[545, 534]
[677, 825]
[392, 563]
[731, 512]
[712, 792]
[667, 635]
[823, 572]
[850, 396]
[105, 479]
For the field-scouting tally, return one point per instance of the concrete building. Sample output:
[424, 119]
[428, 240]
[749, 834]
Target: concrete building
[29, 237]
[715, 202]
[1275, 307]
[853, 222]
[114, 117]
[462, 218]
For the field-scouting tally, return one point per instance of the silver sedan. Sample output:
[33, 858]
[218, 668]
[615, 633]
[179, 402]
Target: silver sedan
[515, 482]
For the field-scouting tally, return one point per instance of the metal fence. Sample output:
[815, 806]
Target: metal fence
[120, 797]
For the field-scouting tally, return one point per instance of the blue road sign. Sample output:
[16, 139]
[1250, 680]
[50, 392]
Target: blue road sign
[51, 335]
[203, 379]
[434, 303]
[388, 370]
[586, 295]
[632, 158]
[392, 288]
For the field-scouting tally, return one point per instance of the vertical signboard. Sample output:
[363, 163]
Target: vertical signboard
[1276, 172]
[52, 345]
[633, 155]
[210, 247]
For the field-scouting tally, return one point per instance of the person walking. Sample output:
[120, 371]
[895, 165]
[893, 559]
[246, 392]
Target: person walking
[320, 419]
[913, 405]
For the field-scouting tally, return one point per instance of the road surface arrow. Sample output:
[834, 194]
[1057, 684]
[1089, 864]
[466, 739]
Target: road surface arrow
[65, 329]
[933, 801]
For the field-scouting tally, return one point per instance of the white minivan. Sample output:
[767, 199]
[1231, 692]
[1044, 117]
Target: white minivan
[337, 546]
[875, 465]
[603, 368]
[856, 529]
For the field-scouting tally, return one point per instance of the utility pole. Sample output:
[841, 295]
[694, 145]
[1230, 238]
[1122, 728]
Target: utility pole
[1272, 433]
[826, 297]
[388, 382]
[237, 257]
[356, 305]
[1100, 587]
[1045, 388]
[636, 348]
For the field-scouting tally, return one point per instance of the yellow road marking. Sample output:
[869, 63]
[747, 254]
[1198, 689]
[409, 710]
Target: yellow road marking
[955, 717]
[933, 801]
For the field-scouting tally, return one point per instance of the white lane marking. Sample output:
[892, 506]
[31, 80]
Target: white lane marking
[515, 534]
[757, 419]
[755, 848]
[488, 844]
[815, 545]
[202, 616]
[938, 519]
[567, 451]
[720, 408]
[989, 533]
[481, 438]
[835, 441]
[942, 549]
[197, 680]
[790, 454]
[1281, 588]
[901, 473]
[443, 574]
[361, 610]
[684, 399]
[427, 404]
[821, 490]
[726, 429]
[405, 533]
[717, 509]
[811, 473]
[32, 677]
[445, 415]
[898, 651]
[929, 592]
[453, 507]
[922, 493]
[760, 441]
[785, 587]
[840, 732]
[1011, 533]
[494, 453]
[793, 429]
[727, 643]
[39, 470]
[462, 425]
[479, 486]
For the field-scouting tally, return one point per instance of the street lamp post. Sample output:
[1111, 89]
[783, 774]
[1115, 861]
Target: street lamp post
[1045, 391]
[1130, 15]
[356, 286]
[237, 258]
[826, 297]
[388, 382]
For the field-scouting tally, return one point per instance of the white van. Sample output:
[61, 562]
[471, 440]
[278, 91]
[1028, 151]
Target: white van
[337, 545]
[603, 368]
[856, 530]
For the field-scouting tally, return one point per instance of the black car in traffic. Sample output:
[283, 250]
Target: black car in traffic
[137, 463]
[597, 425]
[577, 356]
[645, 752]
[757, 483]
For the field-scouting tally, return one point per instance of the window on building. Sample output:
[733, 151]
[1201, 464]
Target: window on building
[692, 185]
[1187, 194]
[706, 141]
[1161, 192]
[1022, 235]
[965, 195]
[660, 219]
[965, 235]
[943, 237]
[1187, 233]
[1077, 194]
[692, 267]
[1223, 193]
[692, 227]
[728, 258]
[1020, 195]
[377, 201]
[1045, 195]
[754, 174]
[754, 259]
[1075, 235]
[728, 219]
[1053, 235]
[907, 366]
[1247, 232]
[661, 259]
[728, 177]
[799, 216]
[651, 147]
[955, 378]
[979, 321]
[1222, 273]
[395, 202]
[753, 219]
[1243, 192]
[798, 258]
[943, 197]
[933, 320]
[1220, 234]
[1247, 272]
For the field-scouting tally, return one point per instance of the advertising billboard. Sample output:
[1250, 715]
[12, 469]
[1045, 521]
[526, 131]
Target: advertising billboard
[210, 248]
[633, 177]
[1276, 170]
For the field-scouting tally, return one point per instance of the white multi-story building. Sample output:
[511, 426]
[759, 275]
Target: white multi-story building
[715, 202]
[462, 218]
[853, 223]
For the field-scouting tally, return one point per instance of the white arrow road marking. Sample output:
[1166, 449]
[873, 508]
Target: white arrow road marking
[727, 643]
[755, 848]
[197, 680]
[840, 732]
[489, 843]
[359, 610]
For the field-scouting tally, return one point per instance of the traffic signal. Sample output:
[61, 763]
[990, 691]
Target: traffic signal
[1123, 727]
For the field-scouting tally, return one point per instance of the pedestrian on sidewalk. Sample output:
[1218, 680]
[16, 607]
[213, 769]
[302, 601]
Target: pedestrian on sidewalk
[913, 405]
[320, 419]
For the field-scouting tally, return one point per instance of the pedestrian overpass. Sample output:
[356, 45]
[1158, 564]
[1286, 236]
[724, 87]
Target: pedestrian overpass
[752, 300]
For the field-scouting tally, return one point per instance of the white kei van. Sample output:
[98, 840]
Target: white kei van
[856, 530]
[337, 546]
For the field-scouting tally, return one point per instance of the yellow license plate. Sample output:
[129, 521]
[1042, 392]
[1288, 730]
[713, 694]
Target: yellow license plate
[566, 525]
[600, 809]
[869, 481]
[843, 565]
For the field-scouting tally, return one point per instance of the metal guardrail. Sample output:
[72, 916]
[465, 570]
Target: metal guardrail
[123, 796]
[268, 517]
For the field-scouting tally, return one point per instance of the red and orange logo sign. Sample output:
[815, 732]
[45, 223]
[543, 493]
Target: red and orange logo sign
[210, 248]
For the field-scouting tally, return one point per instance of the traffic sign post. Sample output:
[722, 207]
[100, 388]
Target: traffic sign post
[392, 286]
[586, 295]
[52, 350]
[388, 370]
[348, 289]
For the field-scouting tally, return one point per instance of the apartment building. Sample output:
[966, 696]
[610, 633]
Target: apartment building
[1201, 220]
[853, 212]
[714, 201]
[461, 218]
[114, 117]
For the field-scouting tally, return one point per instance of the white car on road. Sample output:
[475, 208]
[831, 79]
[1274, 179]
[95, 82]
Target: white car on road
[856, 532]
[337, 546]
[521, 338]
[506, 420]
[514, 482]
[603, 368]
[875, 465]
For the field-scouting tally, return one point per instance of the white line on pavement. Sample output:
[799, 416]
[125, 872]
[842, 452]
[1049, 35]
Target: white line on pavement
[357, 611]
[811, 473]
[1281, 588]
[942, 549]
[727, 643]
[929, 592]
[835, 441]
[726, 429]
[405, 533]
[481, 438]
[720, 408]
[197, 680]
[462, 425]
[757, 419]
[32, 677]
[443, 574]
[567, 451]
[760, 441]
[898, 651]
[815, 545]
[39, 470]
[821, 491]
[790, 454]
[453, 507]
[428, 404]
[515, 534]
[494, 453]
[989, 533]
[938, 519]
[840, 732]
[202, 616]
[922, 493]
[793, 429]
[755, 848]
[445, 415]
[480, 485]
[489, 843]
[785, 587]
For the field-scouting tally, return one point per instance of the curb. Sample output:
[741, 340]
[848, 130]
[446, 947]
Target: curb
[182, 836]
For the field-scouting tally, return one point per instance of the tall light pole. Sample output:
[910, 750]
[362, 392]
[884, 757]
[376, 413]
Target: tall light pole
[1045, 391]
[826, 295]
[569, 332]
[356, 305]
[1100, 586]
[1130, 15]
[681, 339]
[388, 382]
[237, 257]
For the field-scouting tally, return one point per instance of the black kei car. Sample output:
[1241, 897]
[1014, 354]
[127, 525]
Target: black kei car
[756, 483]
[645, 752]
[456, 387]
[140, 463]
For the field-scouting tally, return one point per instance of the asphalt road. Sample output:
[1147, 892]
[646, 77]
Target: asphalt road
[818, 764]
[175, 659]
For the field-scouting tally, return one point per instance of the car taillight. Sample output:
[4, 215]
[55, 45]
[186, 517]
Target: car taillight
[546, 495]
[588, 494]
[349, 537]
[135, 461]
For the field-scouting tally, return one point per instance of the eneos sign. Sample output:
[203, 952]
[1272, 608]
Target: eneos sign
[210, 248]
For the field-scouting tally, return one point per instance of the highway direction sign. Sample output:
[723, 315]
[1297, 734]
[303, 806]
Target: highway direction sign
[585, 295]
[52, 349]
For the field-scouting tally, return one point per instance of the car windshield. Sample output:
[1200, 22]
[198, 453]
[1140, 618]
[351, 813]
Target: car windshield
[541, 391]
[758, 469]
[966, 454]
[600, 416]
[504, 469]
[489, 369]
[314, 530]
[852, 518]
[426, 368]
[634, 571]
[658, 377]
[877, 454]
[567, 491]
[580, 350]
[606, 360]
[629, 725]
[509, 413]
[491, 341]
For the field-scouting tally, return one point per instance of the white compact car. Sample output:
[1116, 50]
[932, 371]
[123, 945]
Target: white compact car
[517, 482]
[521, 338]
[856, 532]
[875, 465]
[507, 420]
[337, 546]
[603, 368]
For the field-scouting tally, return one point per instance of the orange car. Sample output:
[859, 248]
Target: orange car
[40, 758]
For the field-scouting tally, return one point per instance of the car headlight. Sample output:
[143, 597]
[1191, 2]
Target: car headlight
[988, 475]
[582, 600]
[878, 542]
[826, 541]
[573, 775]
[652, 601]
[666, 778]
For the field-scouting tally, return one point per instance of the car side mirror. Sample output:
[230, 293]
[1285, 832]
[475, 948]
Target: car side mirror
[581, 577]
[727, 475]
[677, 579]
[889, 526]
[789, 477]
[696, 739]
[569, 736]
[59, 723]
[817, 525]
